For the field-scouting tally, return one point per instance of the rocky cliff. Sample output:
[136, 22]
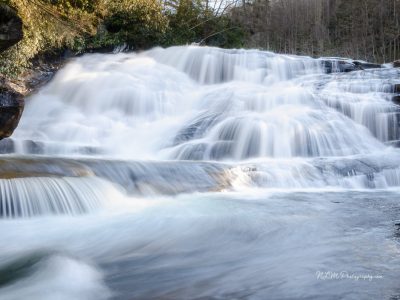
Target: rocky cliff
[11, 100]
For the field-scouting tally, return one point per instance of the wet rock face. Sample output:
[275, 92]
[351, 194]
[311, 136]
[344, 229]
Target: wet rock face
[396, 99]
[10, 27]
[344, 66]
[11, 108]
[11, 101]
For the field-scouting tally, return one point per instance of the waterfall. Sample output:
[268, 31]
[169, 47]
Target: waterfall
[238, 117]
[228, 174]
[33, 196]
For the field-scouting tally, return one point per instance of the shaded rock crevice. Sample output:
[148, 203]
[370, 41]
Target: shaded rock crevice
[11, 107]
[10, 27]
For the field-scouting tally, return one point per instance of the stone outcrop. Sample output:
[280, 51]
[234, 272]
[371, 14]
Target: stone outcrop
[10, 27]
[13, 92]
[335, 65]
[11, 107]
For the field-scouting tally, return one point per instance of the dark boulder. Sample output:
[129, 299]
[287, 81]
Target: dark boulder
[396, 64]
[12, 93]
[336, 65]
[361, 65]
[396, 99]
[345, 66]
[11, 108]
[10, 27]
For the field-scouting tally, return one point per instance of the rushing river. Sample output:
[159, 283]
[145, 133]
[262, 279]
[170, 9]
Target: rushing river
[202, 173]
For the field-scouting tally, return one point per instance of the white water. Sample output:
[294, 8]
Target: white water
[49, 282]
[196, 103]
[156, 105]
[273, 142]
[26, 197]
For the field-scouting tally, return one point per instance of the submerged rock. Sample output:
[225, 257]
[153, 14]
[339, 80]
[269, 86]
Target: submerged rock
[11, 168]
[362, 65]
[395, 144]
[336, 65]
[135, 177]
[7, 146]
[333, 66]
[396, 99]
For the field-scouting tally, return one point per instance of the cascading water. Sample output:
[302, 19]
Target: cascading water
[196, 172]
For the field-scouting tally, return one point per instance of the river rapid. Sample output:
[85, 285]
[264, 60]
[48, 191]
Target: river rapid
[203, 173]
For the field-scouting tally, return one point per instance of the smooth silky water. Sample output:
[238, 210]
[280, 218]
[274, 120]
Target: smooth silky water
[203, 173]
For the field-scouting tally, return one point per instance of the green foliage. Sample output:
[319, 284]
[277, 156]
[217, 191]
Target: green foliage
[191, 21]
[139, 23]
[46, 28]
[81, 25]
[223, 32]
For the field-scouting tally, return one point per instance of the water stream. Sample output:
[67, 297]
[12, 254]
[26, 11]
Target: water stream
[203, 173]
